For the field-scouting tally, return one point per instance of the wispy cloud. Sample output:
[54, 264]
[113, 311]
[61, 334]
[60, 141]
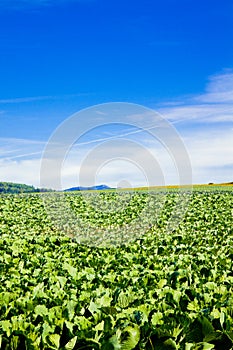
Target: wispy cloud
[210, 154]
[219, 89]
[116, 136]
[214, 105]
[40, 98]
[13, 148]
[206, 133]
[18, 141]
[25, 99]
[200, 113]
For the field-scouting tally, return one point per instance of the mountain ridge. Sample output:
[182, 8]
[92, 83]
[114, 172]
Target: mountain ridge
[88, 188]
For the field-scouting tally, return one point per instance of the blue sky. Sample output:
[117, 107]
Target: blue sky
[58, 57]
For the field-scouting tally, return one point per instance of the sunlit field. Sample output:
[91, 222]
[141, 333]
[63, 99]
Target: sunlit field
[152, 290]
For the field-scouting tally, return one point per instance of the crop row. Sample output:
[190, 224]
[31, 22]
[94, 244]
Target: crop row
[156, 289]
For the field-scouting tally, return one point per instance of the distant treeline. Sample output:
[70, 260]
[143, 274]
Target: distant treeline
[10, 187]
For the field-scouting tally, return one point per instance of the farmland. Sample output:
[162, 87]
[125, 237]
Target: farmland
[156, 290]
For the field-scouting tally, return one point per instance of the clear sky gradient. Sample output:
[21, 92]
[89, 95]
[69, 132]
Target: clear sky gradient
[58, 57]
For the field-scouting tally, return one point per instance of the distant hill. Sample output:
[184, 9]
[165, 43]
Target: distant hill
[11, 187]
[91, 188]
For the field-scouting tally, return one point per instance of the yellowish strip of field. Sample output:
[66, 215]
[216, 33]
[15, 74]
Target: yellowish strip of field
[229, 184]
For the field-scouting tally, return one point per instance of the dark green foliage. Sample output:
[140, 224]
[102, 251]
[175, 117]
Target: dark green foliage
[10, 187]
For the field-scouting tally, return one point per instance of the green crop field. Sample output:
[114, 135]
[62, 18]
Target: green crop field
[155, 290]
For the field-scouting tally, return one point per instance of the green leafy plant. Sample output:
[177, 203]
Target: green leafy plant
[159, 291]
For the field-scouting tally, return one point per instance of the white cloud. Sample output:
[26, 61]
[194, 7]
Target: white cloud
[205, 113]
[213, 106]
[112, 162]
[13, 148]
[206, 148]
[38, 98]
[19, 141]
[210, 155]
[219, 89]
[25, 99]
[204, 127]
[23, 171]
